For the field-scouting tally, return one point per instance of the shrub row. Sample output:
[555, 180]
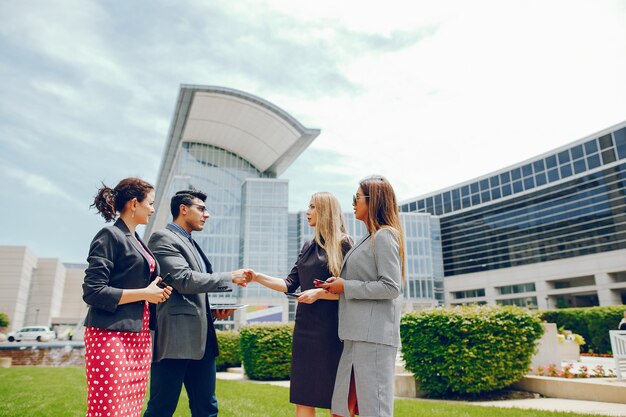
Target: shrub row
[470, 349]
[230, 351]
[592, 323]
[266, 351]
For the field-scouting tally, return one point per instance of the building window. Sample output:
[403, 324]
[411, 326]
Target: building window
[469, 293]
[528, 302]
[519, 288]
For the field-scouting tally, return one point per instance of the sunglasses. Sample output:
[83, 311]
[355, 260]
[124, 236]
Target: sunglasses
[356, 197]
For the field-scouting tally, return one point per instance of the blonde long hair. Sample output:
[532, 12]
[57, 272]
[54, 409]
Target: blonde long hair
[330, 229]
[382, 209]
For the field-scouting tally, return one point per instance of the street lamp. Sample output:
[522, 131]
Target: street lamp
[36, 316]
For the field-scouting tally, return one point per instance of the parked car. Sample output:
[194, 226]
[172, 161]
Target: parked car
[38, 333]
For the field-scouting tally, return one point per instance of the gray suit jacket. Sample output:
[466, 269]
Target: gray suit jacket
[182, 324]
[371, 304]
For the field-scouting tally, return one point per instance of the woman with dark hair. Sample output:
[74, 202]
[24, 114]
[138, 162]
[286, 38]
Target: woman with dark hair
[120, 281]
[370, 302]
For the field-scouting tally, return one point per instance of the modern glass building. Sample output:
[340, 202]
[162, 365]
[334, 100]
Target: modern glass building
[233, 146]
[547, 232]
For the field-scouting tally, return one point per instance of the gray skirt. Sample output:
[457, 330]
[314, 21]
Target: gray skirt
[374, 372]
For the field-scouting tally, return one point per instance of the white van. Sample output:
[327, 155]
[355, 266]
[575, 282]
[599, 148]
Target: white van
[38, 333]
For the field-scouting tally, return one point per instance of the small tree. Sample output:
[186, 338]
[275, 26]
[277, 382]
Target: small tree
[4, 320]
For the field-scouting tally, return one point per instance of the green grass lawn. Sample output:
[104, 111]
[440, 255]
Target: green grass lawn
[50, 392]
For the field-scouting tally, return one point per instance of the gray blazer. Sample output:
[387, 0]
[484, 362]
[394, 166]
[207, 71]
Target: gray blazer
[117, 261]
[182, 324]
[370, 306]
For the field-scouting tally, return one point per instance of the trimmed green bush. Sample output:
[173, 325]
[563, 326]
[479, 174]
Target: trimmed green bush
[266, 351]
[4, 320]
[592, 323]
[230, 351]
[469, 349]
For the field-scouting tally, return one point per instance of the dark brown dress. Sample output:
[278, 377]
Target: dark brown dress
[316, 348]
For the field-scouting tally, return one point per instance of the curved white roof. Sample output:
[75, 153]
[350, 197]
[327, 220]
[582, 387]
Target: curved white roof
[246, 125]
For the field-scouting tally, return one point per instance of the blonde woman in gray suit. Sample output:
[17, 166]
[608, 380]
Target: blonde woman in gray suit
[370, 302]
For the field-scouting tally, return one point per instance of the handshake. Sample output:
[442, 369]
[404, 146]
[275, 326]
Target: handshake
[242, 277]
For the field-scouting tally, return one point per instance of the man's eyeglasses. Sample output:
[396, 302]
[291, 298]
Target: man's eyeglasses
[355, 198]
[202, 208]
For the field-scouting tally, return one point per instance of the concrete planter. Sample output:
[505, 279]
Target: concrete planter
[588, 389]
[5, 362]
[569, 351]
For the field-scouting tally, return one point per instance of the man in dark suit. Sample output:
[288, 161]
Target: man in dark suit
[185, 343]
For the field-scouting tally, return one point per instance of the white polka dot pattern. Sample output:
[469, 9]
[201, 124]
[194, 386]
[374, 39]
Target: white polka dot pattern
[117, 366]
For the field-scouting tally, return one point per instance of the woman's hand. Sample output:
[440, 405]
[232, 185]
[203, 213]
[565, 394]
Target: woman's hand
[334, 285]
[310, 296]
[250, 275]
[156, 294]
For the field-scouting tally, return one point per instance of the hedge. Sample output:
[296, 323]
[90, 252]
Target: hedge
[469, 349]
[266, 351]
[592, 323]
[230, 351]
[4, 320]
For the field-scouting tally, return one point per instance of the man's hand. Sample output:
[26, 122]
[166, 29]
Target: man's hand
[221, 314]
[239, 278]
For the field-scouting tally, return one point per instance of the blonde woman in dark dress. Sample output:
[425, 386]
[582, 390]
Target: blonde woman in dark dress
[316, 347]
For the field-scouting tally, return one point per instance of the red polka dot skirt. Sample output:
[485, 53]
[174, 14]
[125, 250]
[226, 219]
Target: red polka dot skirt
[118, 366]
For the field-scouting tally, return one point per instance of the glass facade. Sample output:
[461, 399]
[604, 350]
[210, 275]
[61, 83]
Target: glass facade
[221, 175]
[264, 239]
[565, 204]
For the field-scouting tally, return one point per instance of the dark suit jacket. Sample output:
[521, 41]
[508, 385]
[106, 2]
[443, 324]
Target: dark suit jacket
[116, 262]
[182, 323]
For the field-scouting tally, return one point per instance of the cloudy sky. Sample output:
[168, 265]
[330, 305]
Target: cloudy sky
[428, 93]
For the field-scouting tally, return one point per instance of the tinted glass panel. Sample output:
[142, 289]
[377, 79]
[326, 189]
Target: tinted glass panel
[505, 177]
[620, 142]
[493, 181]
[474, 187]
[540, 179]
[577, 152]
[563, 157]
[516, 174]
[591, 147]
[553, 175]
[517, 187]
[539, 165]
[608, 156]
[529, 183]
[579, 166]
[527, 170]
[605, 141]
[566, 170]
[593, 161]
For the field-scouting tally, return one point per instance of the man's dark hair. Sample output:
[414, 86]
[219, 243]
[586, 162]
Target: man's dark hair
[185, 197]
